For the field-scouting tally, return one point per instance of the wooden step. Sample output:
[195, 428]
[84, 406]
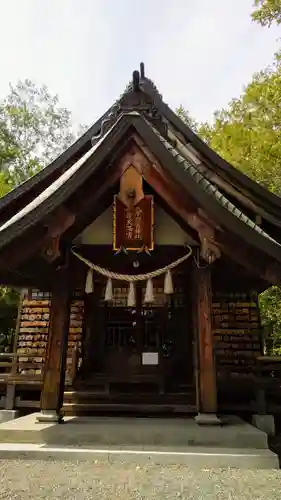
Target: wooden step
[146, 409]
[85, 402]
[139, 398]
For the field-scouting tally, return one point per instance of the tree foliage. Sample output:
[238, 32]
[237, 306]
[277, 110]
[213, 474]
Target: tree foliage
[270, 308]
[9, 299]
[267, 11]
[8, 153]
[35, 130]
[187, 118]
[248, 133]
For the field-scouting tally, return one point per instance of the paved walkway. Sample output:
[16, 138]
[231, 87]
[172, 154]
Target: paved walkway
[116, 479]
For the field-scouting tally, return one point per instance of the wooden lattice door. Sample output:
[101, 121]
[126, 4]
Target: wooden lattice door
[148, 342]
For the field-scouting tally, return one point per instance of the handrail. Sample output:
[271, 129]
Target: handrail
[12, 365]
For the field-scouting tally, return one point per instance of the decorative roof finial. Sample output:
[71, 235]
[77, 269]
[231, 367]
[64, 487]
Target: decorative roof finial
[142, 74]
[136, 81]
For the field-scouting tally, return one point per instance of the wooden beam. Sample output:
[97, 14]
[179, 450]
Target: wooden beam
[252, 259]
[55, 362]
[207, 386]
[175, 196]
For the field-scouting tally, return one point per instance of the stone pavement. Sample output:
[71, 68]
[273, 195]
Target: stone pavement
[113, 478]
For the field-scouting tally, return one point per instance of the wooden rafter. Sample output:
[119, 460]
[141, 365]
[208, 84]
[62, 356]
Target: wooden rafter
[176, 197]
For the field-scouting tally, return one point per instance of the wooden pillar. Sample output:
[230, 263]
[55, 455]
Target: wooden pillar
[55, 361]
[206, 386]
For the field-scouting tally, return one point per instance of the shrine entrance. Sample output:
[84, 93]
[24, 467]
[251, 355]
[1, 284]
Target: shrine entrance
[146, 349]
[138, 332]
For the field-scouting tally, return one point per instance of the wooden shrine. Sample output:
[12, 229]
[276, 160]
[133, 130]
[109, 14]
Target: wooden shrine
[141, 254]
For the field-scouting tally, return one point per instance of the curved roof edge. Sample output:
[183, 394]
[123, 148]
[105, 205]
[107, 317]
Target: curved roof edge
[84, 143]
[195, 185]
[207, 152]
[56, 164]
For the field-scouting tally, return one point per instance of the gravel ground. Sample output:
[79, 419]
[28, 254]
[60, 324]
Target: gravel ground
[103, 479]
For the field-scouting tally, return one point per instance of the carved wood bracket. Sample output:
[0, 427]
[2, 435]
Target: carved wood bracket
[56, 224]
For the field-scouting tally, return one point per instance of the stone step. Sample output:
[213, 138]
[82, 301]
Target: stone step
[194, 458]
[130, 431]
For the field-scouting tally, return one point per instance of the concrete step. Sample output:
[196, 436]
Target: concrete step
[130, 431]
[199, 457]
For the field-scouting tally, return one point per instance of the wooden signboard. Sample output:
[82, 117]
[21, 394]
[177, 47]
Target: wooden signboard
[133, 227]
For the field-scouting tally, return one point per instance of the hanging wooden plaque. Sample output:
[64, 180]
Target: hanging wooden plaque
[133, 226]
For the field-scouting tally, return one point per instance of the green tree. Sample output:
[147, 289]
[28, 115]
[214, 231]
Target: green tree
[270, 308]
[36, 129]
[248, 135]
[267, 11]
[9, 300]
[187, 118]
[8, 153]
[248, 132]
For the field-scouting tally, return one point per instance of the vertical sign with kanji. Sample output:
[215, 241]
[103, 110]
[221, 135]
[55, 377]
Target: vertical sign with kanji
[133, 226]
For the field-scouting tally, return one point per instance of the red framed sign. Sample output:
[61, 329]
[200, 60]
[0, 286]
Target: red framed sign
[133, 227]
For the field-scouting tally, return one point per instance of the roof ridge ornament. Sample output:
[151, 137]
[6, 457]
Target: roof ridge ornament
[142, 72]
[136, 81]
[135, 98]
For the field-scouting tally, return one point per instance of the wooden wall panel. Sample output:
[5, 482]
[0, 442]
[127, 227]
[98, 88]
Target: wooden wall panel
[237, 329]
[235, 321]
[34, 327]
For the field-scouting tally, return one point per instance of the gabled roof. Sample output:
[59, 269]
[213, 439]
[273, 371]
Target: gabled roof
[186, 174]
[63, 161]
[222, 166]
[141, 110]
[248, 191]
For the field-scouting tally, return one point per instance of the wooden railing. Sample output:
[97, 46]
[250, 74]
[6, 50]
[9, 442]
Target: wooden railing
[261, 382]
[14, 371]
[268, 383]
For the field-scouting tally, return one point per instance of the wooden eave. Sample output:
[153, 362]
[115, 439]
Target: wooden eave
[57, 198]
[210, 205]
[256, 192]
[169, 159]
[270, 204]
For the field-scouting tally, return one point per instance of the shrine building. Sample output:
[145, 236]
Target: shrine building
[140, 254]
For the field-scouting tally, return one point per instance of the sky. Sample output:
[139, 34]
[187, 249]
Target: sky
[199, 53]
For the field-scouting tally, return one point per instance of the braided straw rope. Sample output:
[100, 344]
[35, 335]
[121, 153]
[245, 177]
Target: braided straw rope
[133, 277]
